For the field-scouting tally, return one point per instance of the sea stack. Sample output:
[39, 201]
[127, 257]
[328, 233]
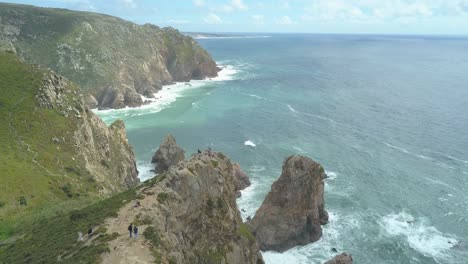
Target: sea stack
[167, 155]
[293, 211]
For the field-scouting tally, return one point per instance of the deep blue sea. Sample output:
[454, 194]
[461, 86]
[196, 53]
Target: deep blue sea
[387, 116]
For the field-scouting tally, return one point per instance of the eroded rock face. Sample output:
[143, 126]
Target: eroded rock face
[293, 211]
[193, 208]
[167, 155]
[242, 181]
[103, 151]
[343, 258]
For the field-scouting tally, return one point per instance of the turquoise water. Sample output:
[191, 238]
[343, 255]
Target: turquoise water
[385, 115]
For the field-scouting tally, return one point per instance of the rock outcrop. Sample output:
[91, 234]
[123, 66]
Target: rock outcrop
[103, 151]
[242, 181]
[113, 60]
[293, 211]
[168, 154]
[192, 209]
[343, 258]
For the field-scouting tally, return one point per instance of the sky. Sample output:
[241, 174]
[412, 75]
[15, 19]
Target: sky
[428, 17]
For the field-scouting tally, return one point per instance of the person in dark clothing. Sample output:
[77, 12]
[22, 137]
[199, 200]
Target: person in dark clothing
[90, 232]
[135, 231]
[130, 229]
[199, 151]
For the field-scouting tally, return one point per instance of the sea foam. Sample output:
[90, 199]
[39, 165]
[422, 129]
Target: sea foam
[420, 236]
[166, 96]
[249, 143]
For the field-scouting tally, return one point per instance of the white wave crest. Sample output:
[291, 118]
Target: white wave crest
[144, 170]
[166, 96]
[249, 143]
[420, 235]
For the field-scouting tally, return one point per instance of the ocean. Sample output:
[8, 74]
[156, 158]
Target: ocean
[387, 117]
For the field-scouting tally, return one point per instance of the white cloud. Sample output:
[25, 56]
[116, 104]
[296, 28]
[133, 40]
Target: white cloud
[198, 3]
[239, 5]
[212, 19]
[129, 3]
[258, 19]
[233, 5]
[284, 20]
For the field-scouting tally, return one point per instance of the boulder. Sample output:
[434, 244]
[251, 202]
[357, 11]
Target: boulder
[343, 258]
[167, 155]
[293, 211]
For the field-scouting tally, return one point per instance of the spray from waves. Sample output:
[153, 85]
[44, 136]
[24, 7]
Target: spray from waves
[144, 170]
[331, 175]
[166, 96]
[420, 236]
[335, 233]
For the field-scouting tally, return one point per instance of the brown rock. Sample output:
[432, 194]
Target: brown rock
[293, 211]
[167, 155]
[343, 258]
[241, 179]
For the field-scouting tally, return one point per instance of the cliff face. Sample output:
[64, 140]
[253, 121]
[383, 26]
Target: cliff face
[294, 210]
[189, 215]
[53, 147]
[113, 60]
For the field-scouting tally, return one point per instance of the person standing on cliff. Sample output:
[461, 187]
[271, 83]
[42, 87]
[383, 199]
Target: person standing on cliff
[135, 232]
[130, 229]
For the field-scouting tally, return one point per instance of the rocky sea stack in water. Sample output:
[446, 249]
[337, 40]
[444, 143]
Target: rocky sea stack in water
[167, 155]
[293, 211]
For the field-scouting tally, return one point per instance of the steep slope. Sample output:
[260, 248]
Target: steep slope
[112, 59]
[188, 215]
[53, 148]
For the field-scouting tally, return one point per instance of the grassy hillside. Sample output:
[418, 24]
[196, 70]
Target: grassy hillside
[33, 169]
[43, 164]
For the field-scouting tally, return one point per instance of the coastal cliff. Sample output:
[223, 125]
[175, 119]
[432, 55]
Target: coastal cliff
[187, 215]
[114, 61]
[54, 148]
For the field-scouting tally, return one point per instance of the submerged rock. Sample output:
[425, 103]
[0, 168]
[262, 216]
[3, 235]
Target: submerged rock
[167, 155]
[293, 211]
[343, 258]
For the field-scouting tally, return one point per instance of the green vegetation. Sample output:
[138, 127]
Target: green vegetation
[88, 48]
[244, 232]
[35, 171]
[214, 163]
[162, 197]
[46, 240]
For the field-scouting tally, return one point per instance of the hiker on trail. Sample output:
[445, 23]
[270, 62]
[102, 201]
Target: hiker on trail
[80, 236]
[209, 152]
[135, 232]
[90, 232]
[130, 229]
[199, 151]
[137, 204]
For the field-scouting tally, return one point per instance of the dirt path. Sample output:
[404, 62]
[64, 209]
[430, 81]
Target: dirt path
[123, 249]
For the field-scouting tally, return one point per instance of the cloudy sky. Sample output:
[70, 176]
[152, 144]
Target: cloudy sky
[308, 16]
